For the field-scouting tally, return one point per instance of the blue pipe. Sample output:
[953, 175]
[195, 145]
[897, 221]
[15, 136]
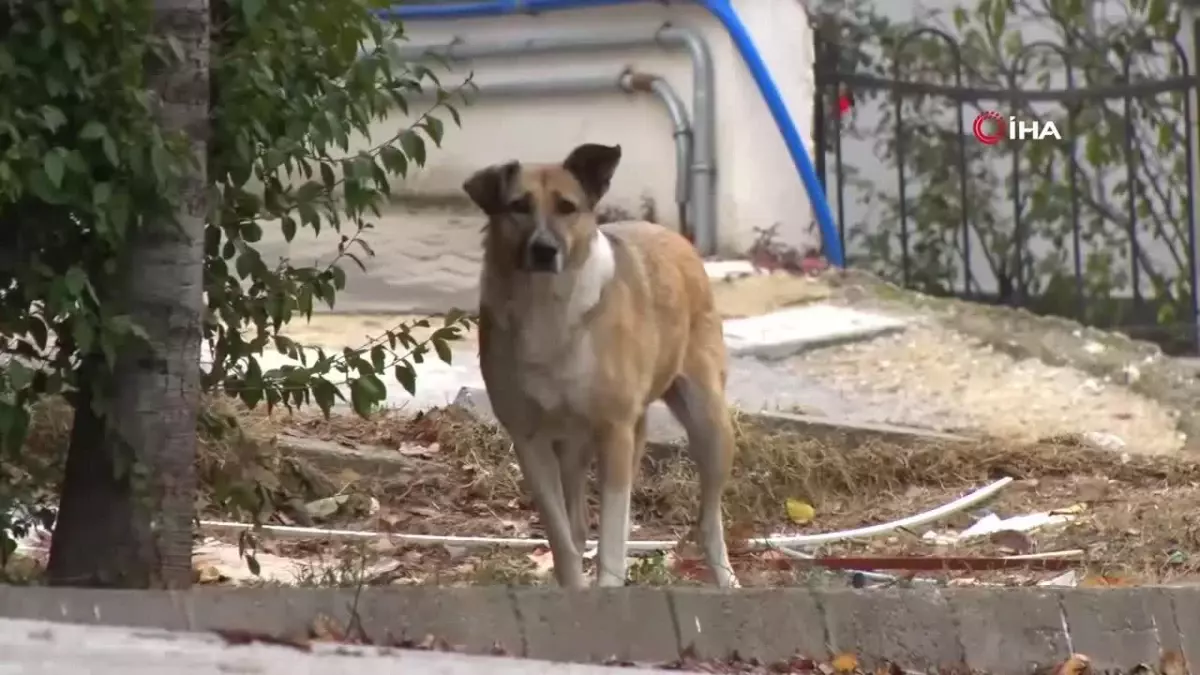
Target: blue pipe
[723, 10]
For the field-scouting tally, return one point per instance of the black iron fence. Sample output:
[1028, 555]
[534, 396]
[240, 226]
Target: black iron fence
[1096, 222]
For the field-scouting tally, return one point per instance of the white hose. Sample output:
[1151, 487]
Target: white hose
[960, 504]
[919, 519]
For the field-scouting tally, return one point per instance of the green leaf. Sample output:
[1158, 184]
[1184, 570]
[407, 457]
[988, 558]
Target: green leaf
[75, 280]
[406, 375]
[19, 375]
[288, 224]
[325, 394]
[394, 160]
[101, 193]
[93, 130]
[110, 151]
[435, 129]
[246, 262]
[53, 165]
[251, 232]
[366, 393]
[442, 348]
[53, 118]
[413, 146]
[84, 334]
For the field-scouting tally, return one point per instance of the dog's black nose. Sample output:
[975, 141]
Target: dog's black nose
[542, 256]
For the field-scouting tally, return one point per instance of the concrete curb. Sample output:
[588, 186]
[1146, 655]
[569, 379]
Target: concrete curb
[1005, 632]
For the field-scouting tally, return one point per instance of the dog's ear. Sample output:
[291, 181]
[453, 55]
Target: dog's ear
[488, 187]
[593, 165]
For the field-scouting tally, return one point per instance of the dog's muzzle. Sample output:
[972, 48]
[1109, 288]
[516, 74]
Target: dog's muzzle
[542, 254]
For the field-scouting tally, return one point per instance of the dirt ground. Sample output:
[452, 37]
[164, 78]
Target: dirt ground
[1132, 518]
[1033, 387]
[1040, 390]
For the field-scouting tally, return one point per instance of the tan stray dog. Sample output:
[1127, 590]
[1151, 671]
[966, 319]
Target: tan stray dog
[581, 328]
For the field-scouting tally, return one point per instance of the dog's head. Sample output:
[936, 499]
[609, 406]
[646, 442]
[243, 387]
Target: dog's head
[544, 215]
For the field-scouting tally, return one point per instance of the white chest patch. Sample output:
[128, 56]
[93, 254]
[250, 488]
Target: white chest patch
[560, 358]
[595, 273]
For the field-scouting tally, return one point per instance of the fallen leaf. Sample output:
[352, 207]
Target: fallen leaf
[326, 629]
[800, 513]
[1101, 581]
[382, 546]
[324, 508]
[687, 546]
[1071, 510]
[1173, 663]
[738, 536]
[543, 561]
[889, 668]
[1093, 489]
[208, 575]
[245, 637]
[419, 451]
[689, 568]
[844, 663]
[1078, 664]
[1013, 540]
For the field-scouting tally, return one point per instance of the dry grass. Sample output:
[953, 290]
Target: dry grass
[1138, 523]
[239, 468]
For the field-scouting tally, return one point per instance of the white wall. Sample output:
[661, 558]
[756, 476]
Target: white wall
[758, 184]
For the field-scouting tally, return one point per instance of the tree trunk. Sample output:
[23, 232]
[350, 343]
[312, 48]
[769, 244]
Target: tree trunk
[124, 523]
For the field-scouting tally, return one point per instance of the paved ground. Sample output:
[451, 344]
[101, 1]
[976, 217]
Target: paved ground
[44, 647]
[427, 260]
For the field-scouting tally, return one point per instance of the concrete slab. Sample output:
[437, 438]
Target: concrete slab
[730, 269]
[663, 430]
[364, 460]
[781, 334]
[43, 647]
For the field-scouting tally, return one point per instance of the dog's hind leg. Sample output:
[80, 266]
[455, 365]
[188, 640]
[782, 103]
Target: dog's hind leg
[699, 405]
[540, 467]
[574, 457]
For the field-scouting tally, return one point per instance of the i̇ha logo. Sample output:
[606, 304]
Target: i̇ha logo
[991, 127]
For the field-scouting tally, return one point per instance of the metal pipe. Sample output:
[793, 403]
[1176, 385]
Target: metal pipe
[653, 84]
[627, 81]
[724, 12]
[703, 160]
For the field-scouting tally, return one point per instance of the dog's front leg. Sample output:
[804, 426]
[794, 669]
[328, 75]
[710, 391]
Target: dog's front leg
[615, 448]
[540, 467]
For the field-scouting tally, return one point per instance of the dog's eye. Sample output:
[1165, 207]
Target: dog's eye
[564, 207]
[521, 205]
